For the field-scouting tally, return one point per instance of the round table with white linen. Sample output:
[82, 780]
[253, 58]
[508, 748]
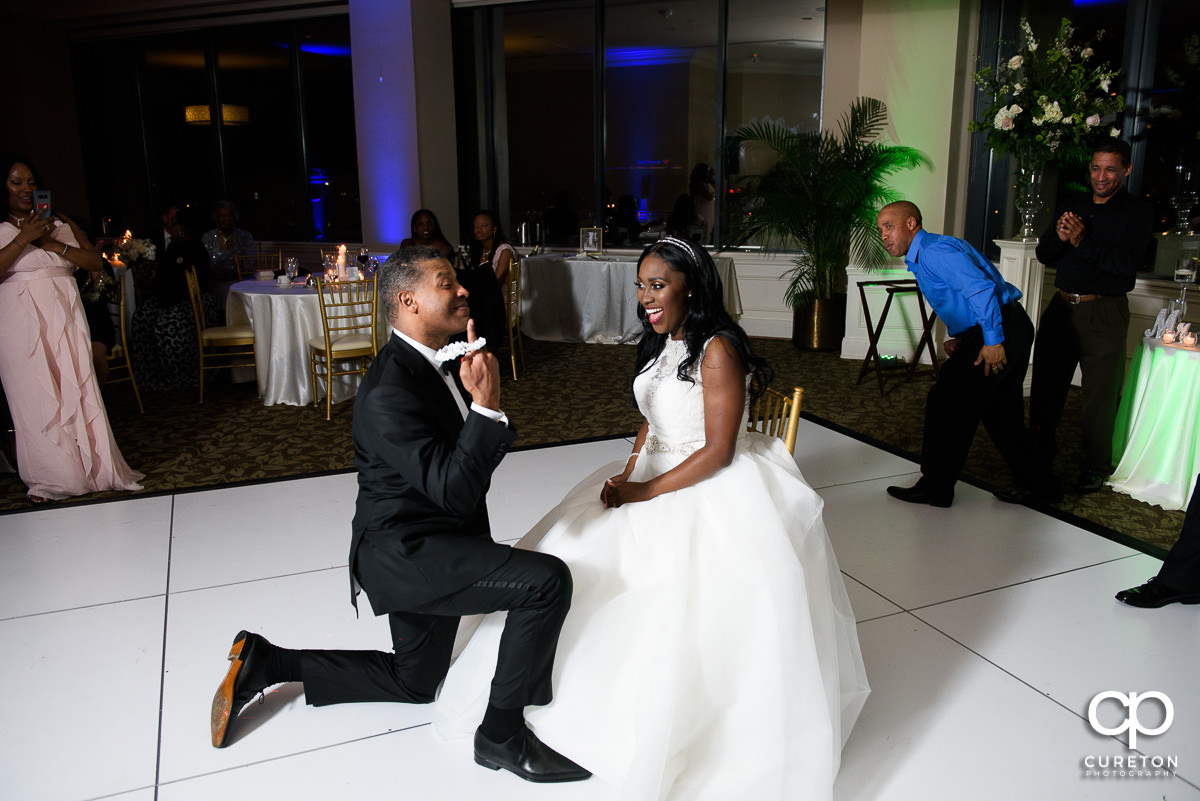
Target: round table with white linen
[1157, 435]
[569, 298]
[284, 319]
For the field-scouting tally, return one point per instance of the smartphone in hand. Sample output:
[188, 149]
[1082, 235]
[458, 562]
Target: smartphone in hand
[41, 203]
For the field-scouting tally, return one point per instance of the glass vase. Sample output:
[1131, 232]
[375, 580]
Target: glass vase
[1029, 196]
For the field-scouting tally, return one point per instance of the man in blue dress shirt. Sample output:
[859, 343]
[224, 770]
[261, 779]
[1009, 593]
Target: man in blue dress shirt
[981, 381]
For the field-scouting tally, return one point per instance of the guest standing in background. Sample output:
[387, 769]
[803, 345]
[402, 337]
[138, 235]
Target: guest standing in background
[165, 353]
[983, 379]
[65, 446]
[1095, 246]
[222, 243]
[427, 232]
[489, 259]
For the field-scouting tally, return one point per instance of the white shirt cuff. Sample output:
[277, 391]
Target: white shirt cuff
[491, 414]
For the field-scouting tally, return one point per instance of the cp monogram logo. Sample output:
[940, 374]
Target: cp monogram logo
[1131, 723]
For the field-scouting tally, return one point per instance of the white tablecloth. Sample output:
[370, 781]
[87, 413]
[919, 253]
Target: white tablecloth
[283, 319]
[579, 299]
[1157, 437]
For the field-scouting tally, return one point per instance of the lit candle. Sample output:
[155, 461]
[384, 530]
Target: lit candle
[341, 262]
[1168, 337]
[1189, 340]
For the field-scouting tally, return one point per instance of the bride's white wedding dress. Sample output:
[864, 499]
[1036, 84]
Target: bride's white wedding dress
[710, 651]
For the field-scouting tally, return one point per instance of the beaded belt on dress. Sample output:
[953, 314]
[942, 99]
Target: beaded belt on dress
[656, 445]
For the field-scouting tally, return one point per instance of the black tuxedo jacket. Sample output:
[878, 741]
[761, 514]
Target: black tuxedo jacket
[420, 523]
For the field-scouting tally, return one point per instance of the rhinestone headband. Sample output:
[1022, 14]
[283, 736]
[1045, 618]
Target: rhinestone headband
[683, 245]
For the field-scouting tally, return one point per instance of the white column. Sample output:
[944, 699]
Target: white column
[385, 118]
[1019, 266]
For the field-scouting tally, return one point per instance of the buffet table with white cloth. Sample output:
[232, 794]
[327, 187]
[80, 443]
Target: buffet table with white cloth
[1157, 437]
[568, 298]
[284, 319]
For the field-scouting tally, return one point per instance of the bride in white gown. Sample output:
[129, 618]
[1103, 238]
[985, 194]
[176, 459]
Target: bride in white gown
[710, 651]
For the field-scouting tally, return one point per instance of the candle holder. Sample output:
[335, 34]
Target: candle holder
[1168, 337]
[1189, 340]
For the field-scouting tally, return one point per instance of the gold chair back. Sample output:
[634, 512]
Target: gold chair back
[120, 369]
[219, 346]
[516, 349]
[248, 265]
[777, 415]
[348, 322]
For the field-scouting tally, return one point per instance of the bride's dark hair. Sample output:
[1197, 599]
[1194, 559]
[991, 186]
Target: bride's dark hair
[706, 315]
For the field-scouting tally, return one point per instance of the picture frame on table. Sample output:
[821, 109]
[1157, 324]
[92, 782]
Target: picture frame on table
[591, 240]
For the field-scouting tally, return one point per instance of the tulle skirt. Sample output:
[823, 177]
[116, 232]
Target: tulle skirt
[710, 651]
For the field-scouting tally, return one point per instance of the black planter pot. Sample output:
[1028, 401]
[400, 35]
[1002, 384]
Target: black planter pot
[820, 325]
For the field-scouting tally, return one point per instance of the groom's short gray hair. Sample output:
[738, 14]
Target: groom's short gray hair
[401, 273]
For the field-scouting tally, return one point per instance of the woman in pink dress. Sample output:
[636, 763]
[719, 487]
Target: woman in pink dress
[64, 444]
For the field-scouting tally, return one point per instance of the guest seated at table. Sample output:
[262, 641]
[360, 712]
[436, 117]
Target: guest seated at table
[488, 261]
[164, 348]
[684, 221]
[222, 243]
[624, 227]
[427, 232]
[1178, 580]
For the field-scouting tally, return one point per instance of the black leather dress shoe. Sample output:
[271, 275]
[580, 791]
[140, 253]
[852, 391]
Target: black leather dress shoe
[528, 757]
[1154, 594]
[916, 494]
[246, 677]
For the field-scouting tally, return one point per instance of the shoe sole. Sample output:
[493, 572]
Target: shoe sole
[223, 700]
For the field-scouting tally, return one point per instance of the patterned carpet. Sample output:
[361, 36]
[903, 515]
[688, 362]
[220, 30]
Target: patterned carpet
[566, 393]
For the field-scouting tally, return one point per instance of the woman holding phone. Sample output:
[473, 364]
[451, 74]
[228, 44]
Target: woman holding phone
[65, 446]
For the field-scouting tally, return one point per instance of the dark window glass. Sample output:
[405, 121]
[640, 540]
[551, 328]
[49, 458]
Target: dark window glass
[661, 105]
[258, 129]
[549, 99]
[331, 196]
[774, 65]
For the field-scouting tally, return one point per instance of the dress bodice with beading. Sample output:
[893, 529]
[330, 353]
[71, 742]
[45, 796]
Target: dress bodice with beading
[673, 408]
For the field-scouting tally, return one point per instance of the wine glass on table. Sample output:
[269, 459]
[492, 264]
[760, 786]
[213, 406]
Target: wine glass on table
[291, 266]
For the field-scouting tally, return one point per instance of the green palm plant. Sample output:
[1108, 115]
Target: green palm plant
[822, 196]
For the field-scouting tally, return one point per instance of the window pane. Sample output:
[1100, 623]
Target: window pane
[551, 156]
[661, 107]
[1171, 166]
[332, 200]
[183, 155]
[260, 136]
[774, 64]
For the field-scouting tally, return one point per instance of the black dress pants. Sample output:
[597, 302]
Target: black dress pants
[1181, 569]
[535, 588]
[963, 397]
[1090, 335]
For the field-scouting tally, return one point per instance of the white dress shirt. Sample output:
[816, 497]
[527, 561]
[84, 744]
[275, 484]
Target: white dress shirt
[431, 356]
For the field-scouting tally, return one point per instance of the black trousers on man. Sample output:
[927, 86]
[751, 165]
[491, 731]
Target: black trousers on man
[1181, 569]
[1090, 335]
[963, 397]
[535, 588]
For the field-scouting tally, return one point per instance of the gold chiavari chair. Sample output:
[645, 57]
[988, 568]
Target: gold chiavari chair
[120, 369]
[220, 346]
[777, 415]
[516, 349]
[248, 265]
[348, 321]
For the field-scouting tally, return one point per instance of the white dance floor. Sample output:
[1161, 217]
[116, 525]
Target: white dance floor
[987, 630]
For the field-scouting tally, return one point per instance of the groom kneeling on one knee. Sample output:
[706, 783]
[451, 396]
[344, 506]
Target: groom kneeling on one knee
[421, 546]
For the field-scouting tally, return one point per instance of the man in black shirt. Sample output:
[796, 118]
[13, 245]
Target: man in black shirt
[1096, 244]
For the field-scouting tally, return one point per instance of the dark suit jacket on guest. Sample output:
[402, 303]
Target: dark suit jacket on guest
[420, 526]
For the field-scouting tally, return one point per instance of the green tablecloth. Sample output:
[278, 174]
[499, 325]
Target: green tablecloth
[1157, 437]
